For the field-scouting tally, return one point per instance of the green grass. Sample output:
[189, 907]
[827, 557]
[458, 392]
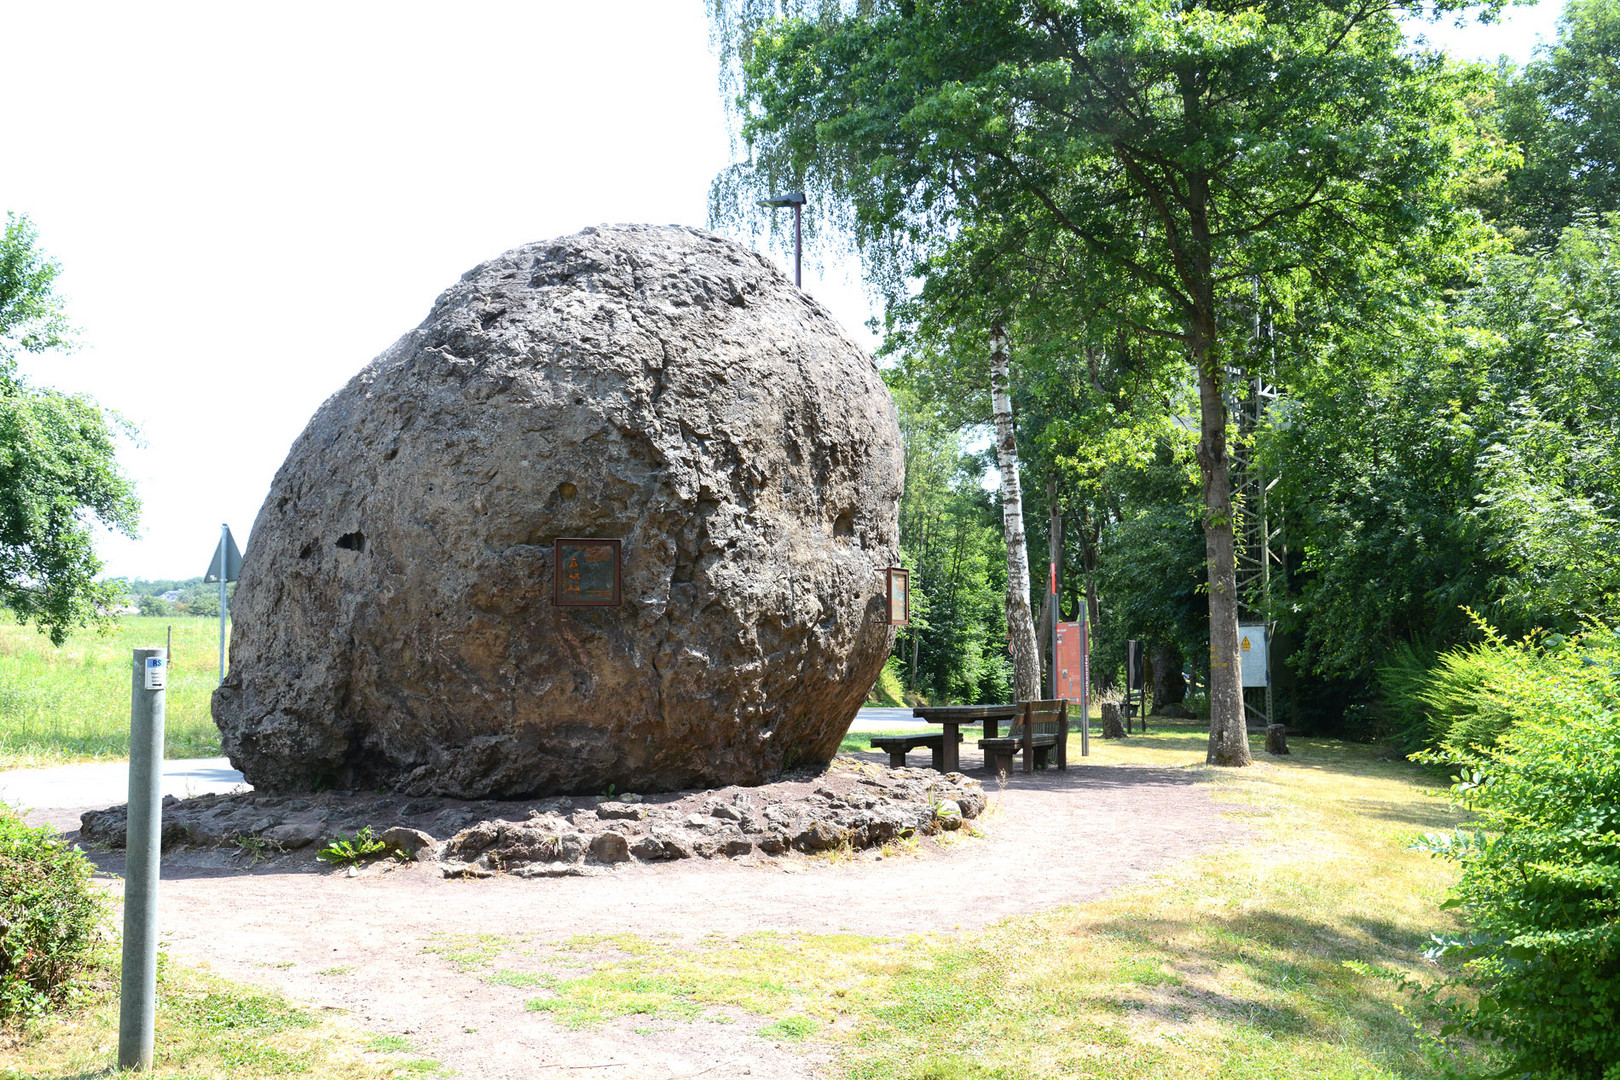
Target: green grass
[1230, 966]
[207, 1029]
[72, 704]
[859, 742]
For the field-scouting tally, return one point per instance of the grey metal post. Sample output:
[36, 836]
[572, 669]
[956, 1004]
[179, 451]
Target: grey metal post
[798, 244]
[137, 1005]
[224, 572]
[1085, 679]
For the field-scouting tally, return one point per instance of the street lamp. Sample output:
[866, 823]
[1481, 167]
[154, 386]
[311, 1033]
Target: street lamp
[794, 199]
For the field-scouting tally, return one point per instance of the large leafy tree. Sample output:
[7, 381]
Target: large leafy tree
[1563, 111]
[1195, 157]
[58, 471]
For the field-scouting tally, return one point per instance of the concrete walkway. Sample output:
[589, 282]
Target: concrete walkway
[107, 783]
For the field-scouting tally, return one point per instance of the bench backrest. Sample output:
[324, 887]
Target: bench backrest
[1045, 717]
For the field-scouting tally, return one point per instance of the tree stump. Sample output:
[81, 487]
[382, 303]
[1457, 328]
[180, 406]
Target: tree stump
[1276, 739]
[1111, 727]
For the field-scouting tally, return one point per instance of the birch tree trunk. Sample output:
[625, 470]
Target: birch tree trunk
[1026, 653]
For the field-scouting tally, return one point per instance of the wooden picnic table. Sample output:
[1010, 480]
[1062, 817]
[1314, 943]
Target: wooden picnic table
[954, 716]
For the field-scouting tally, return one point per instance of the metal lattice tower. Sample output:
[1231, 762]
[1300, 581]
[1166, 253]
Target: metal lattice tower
[1249, 396]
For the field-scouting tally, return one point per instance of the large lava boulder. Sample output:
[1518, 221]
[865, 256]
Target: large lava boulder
[396, 624]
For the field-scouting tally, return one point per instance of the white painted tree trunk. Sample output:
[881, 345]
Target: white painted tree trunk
[1020, 624]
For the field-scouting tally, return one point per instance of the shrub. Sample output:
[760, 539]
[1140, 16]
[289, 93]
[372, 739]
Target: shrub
[889, 689]
[1540, 864]
[1460, 700]
[51, 914]
[1404, 718]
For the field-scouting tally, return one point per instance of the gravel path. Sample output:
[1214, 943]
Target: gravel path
[1051, 838]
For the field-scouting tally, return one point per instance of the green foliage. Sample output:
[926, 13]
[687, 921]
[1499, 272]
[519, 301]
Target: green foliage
[31, 315]
[1563, 111]
[1540, 863]
[363, 846]
[955, 647]
[50, 917]
[58, 473]
[1471, 462]
[888, 689]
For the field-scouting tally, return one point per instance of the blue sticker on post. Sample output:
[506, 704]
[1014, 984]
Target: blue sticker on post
[156, 668]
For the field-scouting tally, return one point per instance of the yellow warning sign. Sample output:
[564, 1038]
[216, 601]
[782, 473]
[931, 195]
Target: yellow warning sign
[1245, 643]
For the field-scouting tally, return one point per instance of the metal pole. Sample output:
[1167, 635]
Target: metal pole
[1085, 680]
[137, 1002]
[1056, 615]
[224, 568]
[798, 245]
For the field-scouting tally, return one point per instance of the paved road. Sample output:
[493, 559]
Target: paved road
[879, 719]
[107, 783]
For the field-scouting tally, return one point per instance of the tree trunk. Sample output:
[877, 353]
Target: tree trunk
[1090, 537]
[1052, 592]
[1021, 641]
[1169, 688]
[1228, 734]
[916, 642]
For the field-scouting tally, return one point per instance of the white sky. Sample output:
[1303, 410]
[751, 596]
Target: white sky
[249, 205]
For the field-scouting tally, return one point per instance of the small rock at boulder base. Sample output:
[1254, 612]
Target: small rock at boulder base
[395, 624]
[610, 847]
[295, 836]
[414, 842]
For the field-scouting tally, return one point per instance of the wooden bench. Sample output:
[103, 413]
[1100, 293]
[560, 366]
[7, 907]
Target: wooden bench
[1041, 728]
[899, 746]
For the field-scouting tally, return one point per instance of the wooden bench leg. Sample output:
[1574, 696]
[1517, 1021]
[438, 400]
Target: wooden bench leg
[897, 759]
[1042, 755]
[939, 757]
[1001, 762]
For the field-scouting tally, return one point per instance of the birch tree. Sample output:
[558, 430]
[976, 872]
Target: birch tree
[1026, 651]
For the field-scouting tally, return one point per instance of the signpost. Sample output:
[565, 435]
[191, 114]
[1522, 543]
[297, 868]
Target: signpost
[1135, 684]
[1072, 673]
[137, 993]
[226, 567]
[1252, 648]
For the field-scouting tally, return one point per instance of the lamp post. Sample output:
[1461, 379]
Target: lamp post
[794, 199]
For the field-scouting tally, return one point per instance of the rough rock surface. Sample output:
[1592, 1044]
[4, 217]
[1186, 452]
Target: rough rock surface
[395, 624]
[851, 805]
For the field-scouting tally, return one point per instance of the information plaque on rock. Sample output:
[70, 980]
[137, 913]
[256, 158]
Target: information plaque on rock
[898, 588]
[587, 572]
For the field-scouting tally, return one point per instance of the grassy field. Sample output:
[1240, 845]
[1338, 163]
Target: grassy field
[72, 704]
[1234, 966]
[207, 1029]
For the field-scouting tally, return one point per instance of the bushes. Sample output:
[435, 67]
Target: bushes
[1540, 864]
[51, 915]
[1464, 698]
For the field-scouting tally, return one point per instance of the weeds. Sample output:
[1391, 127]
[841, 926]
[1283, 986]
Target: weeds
[363, 846]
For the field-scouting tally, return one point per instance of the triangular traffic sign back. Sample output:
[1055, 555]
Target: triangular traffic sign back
[227, 554]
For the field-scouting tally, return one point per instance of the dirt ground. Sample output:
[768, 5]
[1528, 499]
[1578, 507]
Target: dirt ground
[1048, 839]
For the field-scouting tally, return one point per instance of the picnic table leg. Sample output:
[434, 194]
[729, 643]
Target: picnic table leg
[953, 759]
[897, 759]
